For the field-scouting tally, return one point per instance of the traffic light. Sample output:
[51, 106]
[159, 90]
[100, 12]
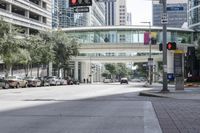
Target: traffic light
[171, 45]
[73, 3]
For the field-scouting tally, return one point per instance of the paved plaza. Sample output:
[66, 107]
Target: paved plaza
[99, 108]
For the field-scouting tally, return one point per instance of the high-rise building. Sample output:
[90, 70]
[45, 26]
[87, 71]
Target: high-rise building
[110, 13]
[31, 15]
[176, 10]
[129, 18]
[194, 14]
[55, 11]
[121, 12]
[67, 18]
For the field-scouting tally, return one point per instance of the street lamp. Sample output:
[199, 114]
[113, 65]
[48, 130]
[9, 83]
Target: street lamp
[150, 60]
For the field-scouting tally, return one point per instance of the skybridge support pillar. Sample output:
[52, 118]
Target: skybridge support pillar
[76, 70]
[85, 71]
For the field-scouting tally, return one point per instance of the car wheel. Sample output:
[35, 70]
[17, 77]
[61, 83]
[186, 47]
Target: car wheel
[17, 86]
[26, 85]
[6, 86]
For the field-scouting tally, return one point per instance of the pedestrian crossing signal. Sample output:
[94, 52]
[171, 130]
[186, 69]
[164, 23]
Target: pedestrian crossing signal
[171, 45]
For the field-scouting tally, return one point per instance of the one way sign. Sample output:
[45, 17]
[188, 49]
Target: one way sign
[164, 18]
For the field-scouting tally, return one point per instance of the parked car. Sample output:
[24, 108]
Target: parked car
[16, 82]
[3, 84]
[62, 81]
[124, 80]
[44, 81]
[107, 80]
[33, 81]
[53, 80]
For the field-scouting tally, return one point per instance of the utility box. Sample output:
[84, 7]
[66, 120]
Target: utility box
[179, 69]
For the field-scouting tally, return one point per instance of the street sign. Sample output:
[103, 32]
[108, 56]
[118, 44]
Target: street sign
[150, 61]
[81, 9]
[175, 8]
[164, 18]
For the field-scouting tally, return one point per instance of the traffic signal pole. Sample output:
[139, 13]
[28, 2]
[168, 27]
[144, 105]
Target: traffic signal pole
[165, 84]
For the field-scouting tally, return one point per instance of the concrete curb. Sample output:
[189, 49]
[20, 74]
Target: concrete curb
[149, 94]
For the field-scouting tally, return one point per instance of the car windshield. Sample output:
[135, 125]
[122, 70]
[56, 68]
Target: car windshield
[11, 77]
[51, 77]
[27, 78]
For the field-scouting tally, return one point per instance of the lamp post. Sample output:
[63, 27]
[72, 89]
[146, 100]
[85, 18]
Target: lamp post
[150, 60]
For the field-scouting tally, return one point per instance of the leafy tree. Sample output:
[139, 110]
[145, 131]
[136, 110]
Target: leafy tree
[64, 48]
[111, 68]
[9, 46]
[121, 70]
[40, 51]
[105, 74]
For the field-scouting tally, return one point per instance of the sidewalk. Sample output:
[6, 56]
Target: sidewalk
[192, 92]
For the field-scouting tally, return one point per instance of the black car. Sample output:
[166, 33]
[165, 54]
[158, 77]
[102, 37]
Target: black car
[124, 80]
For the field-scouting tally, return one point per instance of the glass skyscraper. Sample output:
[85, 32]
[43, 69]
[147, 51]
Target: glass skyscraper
[194, 14]
[177, 14]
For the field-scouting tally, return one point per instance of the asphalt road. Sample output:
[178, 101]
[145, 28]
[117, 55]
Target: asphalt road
[100, 108]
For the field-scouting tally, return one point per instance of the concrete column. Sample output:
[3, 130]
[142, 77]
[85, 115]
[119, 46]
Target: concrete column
[50, 67]
[27, 14]
[27, 31]
[9, 8]
[40, 19]
[76, 70]
[84, 71]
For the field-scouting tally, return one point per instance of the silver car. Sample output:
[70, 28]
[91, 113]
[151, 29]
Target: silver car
[53, 80]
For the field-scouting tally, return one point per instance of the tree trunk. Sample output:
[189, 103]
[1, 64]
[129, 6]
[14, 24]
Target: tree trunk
[38, 70]
[31, 69]
[8, 70]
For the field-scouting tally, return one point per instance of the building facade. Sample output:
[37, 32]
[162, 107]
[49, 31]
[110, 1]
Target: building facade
[31, 15]
[121, 12]
[67, 18]
[194, 14]
[110, 13]
[177, 13]
[129, 18]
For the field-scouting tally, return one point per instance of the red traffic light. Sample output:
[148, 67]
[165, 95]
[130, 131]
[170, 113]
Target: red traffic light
[171, 45]
[74, 2]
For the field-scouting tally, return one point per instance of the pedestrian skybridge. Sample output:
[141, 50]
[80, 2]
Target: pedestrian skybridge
[125, 43]
[121, 44]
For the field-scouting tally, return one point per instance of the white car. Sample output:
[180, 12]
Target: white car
[53, 80]
[107, 80]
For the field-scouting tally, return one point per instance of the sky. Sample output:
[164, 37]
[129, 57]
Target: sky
[141, 11]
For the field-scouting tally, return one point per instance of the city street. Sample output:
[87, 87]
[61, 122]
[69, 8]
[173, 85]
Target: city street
[98, 108]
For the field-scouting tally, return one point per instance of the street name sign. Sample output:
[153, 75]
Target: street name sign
[175, 8]
[81, 9]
